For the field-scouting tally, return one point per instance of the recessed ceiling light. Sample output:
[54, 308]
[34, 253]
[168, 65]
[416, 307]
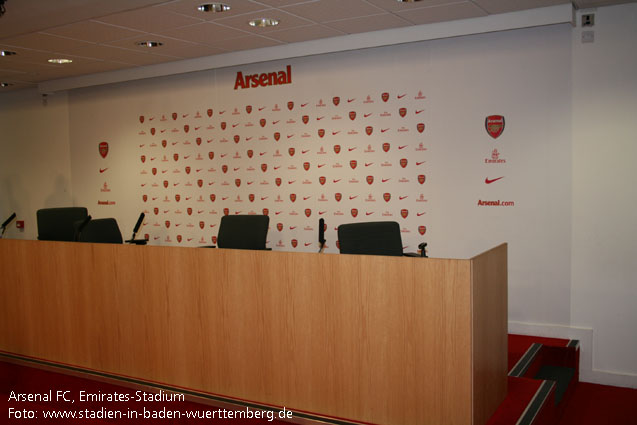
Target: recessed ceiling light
[7, 53]
[264, 22]
[60, 61]
[149, 43]
[5, 84]
[213, 7]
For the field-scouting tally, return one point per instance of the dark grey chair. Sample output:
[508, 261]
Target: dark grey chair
[372, 238]
[101, 230]
[57, 224]
[243, 231]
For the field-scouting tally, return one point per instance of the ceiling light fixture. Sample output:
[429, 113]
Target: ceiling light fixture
[60, 61]
[149, 43]
[213, 7]
[7, 53]
[263, 22]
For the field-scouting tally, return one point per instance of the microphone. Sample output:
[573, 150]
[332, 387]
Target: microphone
[423, 249]
[132, 240]
[321, 234]
[6, 223]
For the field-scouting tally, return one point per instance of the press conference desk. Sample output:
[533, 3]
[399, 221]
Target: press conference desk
[382, 340]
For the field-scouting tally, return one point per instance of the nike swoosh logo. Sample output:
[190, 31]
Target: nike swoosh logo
[367, 164]
[210, 141]
[263, 198]
[385, 180]
[308, 243]
[319, 118]
[234, 125]
[369, 213]
[291, 181]
[402, 197]
[304, 152]
[152, 118]
[353, 197]
[489, 181]
[420, 214]
[350, 100]
[382, 130]
[336, 180]
[175, 184]
[237, 169]
[187, 156]
[277, 212]
[305, 198]
[222, 112]
[141, 146]
[334, 133]
[200, 211]
[262, 153]
[420, 163]
[322, 212]
[367, 115]
[350, 149]
[400, 96]
[197, 128]
[321, 165]
[174, 143]
[419, 111]
[290, 136]
[188, 198]
[303, 105]
[103, 169]
[402, 147]
[185, 115]
[275, 122]
[224, 198]
[248, 139]
[249, 183]
[276, 168]
[261, 109]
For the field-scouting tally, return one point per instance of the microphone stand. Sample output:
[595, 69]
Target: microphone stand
[134, 241]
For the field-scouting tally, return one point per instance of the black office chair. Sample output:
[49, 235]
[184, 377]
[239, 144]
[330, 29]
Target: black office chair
[373, 238]
[57, 224]
[101, 230]
[243, 231]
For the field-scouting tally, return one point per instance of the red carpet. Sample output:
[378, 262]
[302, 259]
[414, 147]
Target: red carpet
[593, 404]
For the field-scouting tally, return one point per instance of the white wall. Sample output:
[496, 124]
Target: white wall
[35, 167]
[604, 247]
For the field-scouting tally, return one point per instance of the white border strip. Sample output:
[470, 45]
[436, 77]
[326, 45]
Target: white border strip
[552, 15]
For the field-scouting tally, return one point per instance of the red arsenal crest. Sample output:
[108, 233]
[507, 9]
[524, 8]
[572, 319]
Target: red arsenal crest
[305, 119]
[308, 212]
[201, 225]
[156, 210]
[294, 243]
[187, 170]
[166, 183]
[167, 223]
[292, 197]
[277, 136]
[404, 213]
[337, 148]
[290, 105]
[209, 112]
[248, 108]
[223, 125]
[322, 180]
[402, 112]
[279, 226]
[177, 197]
[306, 166]
[353, 164]
[214, 239]
[198, 140]
[370, 179]
[494, 125]
[421, 178]
[250, 153]
[338, 196]
[141, 119]
[176, 156]
[143, 158]
[224, 168]
[200, 183]
[103, 149]
[179, 238]
[164, 143]
[369, 130]
[154, 171]
[385, 96]
[213, 197]
[211, 155]
[420, 127]
[336, 100]
[237, 182]
[386, 147]
[266, 211]
[186, 128]
[264, 167]
[352, 115]
[422, 229]
[262, 122]
[174, 115]
[236, 138]
[251, 197]
[354, 212]
[277, 181]
[403, 162]
[189, 211]
[226, 211]
[145, 198]
[321, 132]
[386, 196]
[152, 131]
[291, 151]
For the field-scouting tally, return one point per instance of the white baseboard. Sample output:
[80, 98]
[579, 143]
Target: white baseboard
[585, 337]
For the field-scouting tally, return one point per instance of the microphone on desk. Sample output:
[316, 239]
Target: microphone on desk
[321, 234]
[6, 223]
[423, 249]
[132, 240]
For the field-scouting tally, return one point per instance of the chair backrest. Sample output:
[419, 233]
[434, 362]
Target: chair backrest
[243, 231]
[372, 238]
[101, 230]
[57, 224]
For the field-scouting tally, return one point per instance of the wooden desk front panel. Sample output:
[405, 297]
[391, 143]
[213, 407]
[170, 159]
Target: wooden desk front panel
[376, 339]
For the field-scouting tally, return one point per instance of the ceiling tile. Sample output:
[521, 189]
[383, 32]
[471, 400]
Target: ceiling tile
[150, 19]
[170, 47]
[428, 15]
[503, 6]
[39, 41]
[280, 3]
[332, 10]
[286, 21]
[117, 54]
[245, 43]
[93, 31]
[189, 8]
[204, 32]
[298, 34]
[369, 23]
[395, 6]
